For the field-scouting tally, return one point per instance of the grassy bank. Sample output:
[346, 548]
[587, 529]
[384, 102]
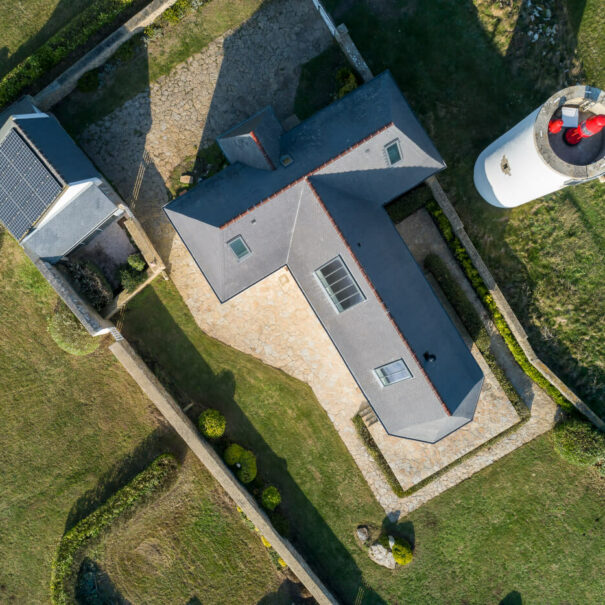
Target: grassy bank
[545, 255]
[498, 513]
[190, 543]
[131, 72]
[71, 427]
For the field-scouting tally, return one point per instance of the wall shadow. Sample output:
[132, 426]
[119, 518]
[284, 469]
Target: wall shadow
[176, 361]
[162, 440]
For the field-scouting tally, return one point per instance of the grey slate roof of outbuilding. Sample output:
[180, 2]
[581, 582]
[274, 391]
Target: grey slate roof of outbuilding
[66, 229]
[328, 203]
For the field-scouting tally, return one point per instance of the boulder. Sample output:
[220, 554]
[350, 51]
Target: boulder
[382, 556]
[363, 533]
[187, 179]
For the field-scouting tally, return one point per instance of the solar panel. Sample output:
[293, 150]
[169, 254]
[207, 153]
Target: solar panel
[27, 187]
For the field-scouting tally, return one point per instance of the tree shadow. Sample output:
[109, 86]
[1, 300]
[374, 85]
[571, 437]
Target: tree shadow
[512, 598]
[95, 587]
[162, 440]
[176, 361]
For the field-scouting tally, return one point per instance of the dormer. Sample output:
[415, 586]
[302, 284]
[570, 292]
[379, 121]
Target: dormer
[255, 142]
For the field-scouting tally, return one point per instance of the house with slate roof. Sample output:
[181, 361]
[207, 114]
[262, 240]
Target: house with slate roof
[52, 198]
[312, 199]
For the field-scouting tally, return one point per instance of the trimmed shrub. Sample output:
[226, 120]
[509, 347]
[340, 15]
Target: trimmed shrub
[247, 471]
[212, 424]
[483, 292]
[579, 442]
[233, 454]
[89, 280]
[346, 80]
[89, 82]
[69, 334]
[60, 46]
[402, 552]
[73, 543]
[271, 498]
[136, 261]
[130, 278]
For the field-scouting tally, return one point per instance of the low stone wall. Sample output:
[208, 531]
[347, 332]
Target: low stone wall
[344, 40]
[506, 310]
[66, 82]
[172, 412]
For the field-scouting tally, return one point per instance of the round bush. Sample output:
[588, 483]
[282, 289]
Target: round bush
[271, 498]
[233, 454]
[247, 470]
[131, 278]
[212, 424]
[136, 261]
[69, 334]
[579, 442]
[402, 552]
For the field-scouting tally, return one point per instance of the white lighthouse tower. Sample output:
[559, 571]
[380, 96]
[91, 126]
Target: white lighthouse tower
[561, 143]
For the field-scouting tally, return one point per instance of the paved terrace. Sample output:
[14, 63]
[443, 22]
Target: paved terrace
[139, 145]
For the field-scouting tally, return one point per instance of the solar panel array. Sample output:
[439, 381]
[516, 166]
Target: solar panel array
[27, 187]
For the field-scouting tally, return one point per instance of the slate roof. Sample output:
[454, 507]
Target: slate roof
[66, 229]
[329, 202]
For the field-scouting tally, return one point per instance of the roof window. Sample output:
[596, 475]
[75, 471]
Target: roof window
[339, 284]
[239, 247]
[393, 152]
[396, 371]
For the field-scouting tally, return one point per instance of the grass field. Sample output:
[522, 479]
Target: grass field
[470, 72]
[191, 543]
[132, 75]
[69, 425]
[475, 544]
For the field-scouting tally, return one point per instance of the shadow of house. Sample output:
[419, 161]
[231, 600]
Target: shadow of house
[176, 361]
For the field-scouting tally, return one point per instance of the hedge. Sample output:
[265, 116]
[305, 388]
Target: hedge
[472, 322]
[68, 39]
[483, 292]
[368, 441]
[155, 477]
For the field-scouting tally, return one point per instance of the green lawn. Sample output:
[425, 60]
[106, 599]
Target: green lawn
[470, 73]
[132, 74]
[475, 543]
[190, 543]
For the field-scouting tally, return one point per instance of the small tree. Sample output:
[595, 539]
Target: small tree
[212, 424]
[271, 498]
